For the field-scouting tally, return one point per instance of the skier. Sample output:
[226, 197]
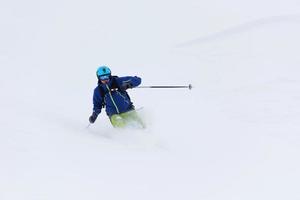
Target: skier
[111, 93]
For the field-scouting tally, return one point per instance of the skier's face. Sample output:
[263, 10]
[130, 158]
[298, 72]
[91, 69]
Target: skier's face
[104, 79]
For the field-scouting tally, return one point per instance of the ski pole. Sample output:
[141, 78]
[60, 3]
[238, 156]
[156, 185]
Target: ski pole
[168, 86]
[88, 126]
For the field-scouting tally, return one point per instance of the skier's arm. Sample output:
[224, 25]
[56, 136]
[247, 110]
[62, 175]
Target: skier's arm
[129, 82]
[97, 101]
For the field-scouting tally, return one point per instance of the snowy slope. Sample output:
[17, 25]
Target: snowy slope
[234, 136]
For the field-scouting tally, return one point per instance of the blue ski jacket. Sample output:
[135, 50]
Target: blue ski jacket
[113, 95]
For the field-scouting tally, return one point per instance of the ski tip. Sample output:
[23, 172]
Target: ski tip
[190, 86]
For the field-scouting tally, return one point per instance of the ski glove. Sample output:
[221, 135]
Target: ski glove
[93, 118]
[125, 86]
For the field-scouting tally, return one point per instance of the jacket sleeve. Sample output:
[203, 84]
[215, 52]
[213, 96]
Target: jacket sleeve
[134, 81]
[97, 101]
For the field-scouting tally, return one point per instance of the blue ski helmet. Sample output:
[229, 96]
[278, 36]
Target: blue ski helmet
[103, 72]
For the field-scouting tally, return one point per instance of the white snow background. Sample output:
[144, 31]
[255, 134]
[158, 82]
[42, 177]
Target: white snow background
[235, 136]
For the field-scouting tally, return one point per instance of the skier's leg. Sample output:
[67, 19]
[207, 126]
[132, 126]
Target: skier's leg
[117, 121]
[131, 117]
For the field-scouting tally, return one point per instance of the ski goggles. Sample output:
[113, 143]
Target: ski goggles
[104, 78]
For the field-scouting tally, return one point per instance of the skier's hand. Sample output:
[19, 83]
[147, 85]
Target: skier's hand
[125, 86]
[93, 118]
